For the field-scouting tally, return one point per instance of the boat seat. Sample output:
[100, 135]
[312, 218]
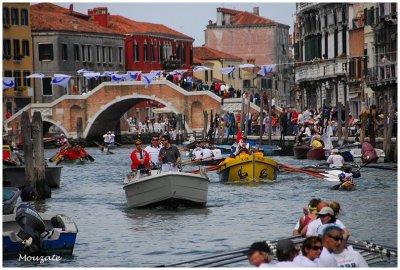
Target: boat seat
[57, 222]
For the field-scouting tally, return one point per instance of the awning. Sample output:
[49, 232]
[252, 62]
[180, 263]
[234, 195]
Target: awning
[162, 110]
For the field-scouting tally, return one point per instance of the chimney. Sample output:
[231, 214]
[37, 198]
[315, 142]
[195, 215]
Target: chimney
[99, 15]
[256, 11]
[210, 22]
[71, 8]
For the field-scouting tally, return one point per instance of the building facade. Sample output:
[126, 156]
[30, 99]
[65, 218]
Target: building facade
[66, 41]
[258, 41]
[17, 56]
[215, 60]
[321, 51]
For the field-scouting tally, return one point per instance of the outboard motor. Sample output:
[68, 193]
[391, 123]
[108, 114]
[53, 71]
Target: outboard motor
[32, 227]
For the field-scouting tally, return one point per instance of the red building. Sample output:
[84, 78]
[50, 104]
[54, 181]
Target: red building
[148, 46]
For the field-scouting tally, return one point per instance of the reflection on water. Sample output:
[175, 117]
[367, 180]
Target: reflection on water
[111, 235]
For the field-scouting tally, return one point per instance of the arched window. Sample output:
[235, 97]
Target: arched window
[136, 51]
[145, 51]
[152, 52]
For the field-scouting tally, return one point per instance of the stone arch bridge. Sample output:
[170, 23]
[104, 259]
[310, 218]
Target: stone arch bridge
[102, 108]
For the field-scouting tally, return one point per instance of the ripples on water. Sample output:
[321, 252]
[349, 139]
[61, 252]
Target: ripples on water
[112, 235]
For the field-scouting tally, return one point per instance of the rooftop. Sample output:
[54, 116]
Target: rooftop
[207, 53]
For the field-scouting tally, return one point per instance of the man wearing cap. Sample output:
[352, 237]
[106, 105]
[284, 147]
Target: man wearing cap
[259, 254]
[335, 159]
[326, 215]
[285, 252]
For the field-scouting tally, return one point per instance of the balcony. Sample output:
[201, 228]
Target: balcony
[171, 64]
[381, 74]
[300, 7]
[322, 69]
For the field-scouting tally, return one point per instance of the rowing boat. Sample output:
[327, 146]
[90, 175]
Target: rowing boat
[248, 168]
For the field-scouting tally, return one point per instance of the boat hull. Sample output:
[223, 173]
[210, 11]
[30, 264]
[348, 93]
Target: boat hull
[357, 154]
[300, 151]
[210, 162]
[61, 240]
[169, 189]
[14, 176]
[249, 169]
[10, 197]
[316, 154]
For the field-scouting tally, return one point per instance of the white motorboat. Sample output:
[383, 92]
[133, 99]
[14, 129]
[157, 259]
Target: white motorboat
[357, 154]
[170, 189]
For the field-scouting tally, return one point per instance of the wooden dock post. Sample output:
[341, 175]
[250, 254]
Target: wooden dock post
[261, 118]
[79, 128]
[26, 129]
[339, 120]
[205, 114]
[42, 190]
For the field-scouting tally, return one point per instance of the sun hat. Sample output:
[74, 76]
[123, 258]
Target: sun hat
[326, 211]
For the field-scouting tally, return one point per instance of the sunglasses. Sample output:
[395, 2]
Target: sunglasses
[162, 140]
[154, 139]
[317, 247]
[336, 238]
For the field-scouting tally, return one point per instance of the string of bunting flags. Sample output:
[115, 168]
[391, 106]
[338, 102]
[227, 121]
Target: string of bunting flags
[63, 79]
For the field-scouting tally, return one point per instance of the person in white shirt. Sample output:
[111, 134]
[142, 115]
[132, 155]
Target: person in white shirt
[112, 138]
[348, 257]
[326, 215]
[207, 154]
[311, 250]
[216, 153]
[335, 159]
[332, 240]
[259, 254]
[154, 150]
[243, 144]
[198, 153]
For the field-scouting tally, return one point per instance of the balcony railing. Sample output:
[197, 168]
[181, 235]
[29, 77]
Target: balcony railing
[303, 6]
[382, 73]
[321, 70]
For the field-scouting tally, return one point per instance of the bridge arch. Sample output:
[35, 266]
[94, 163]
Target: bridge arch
[57, 124]
[109, 114]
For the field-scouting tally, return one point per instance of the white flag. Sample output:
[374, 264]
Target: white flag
[109, 73]
[90, 75]
[132, 75]
[8, 82]
[227, 70]
[82, 71]
[246, 66]
[266, 69]
[146, 79]
[36, 75]
[117, 78]
[200, 68]
[61, 80]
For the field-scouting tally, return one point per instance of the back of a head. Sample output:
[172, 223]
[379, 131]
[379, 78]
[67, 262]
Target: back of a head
[285, 250]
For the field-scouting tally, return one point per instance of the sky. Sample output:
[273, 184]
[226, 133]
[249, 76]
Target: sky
[188, 18]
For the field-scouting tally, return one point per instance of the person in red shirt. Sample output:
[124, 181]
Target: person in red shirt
[295, 116]
[140, 158]
[218, 89]
[8, 114]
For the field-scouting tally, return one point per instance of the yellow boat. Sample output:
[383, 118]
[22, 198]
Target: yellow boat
[249, 168]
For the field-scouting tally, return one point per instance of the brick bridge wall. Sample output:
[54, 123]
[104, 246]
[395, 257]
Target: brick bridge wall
[102, 107]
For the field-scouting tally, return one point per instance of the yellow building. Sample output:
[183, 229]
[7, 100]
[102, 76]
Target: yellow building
[17, 56]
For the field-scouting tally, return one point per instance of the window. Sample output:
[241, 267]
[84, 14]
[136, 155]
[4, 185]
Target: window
[6, 16]
[104, 54]
[152, 52]
[7, 73]
[17, 76]
[344, 39]
[120, 55]
[264, 83]
[191, 56]
[25, 47]
[46, 52]
[206, 75]
[335, 43]
[160, 52]
[83, 53]
[89, 53]
[183, 54]
[146, 52]
[6, 48]
[27, 81]
[136, 51]
[64, 52]
[240, 73]
[178, 52]
[211, 75]
[98, 54]
[24, 17]
[109, 54]
[76, 52]
[17, 54]
[14, 16]
[47, 88]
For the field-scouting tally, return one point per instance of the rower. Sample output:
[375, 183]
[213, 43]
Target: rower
[347, 175]
[335, 160]
[206, 153]
[243, 144]
[197, 153]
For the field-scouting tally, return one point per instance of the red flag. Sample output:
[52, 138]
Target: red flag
[238, 135]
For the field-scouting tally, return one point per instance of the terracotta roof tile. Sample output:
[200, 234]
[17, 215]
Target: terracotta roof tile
[207, 53]
[127, 27]
[246, 18]
[50, 17]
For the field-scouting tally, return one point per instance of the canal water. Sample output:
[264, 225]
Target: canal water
[111, 235]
